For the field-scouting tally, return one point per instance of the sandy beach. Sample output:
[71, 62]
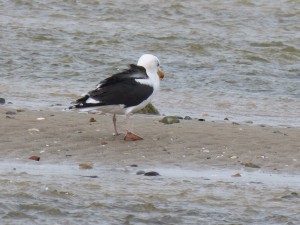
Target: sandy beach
[70, 137]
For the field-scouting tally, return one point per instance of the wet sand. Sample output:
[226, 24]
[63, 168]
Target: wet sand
[70, 137]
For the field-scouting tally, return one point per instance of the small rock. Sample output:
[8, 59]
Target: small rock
[10, 117]
[188, 118]
[2, 101]
[226, 118]
[92, 120]
[85, 166]
[149, 109]
[250, 164]
[233, 157]
[40, 118]
[133, 165]
[235, 123]
[68, 155]
[20, 110]
[34, 157]
[236, 175]
[151, 173]
[91, 176]
[249, 121]
[170, 120]
[10, 113]
[180, 117]
[104, 143]
[202, 120]
[140, 172]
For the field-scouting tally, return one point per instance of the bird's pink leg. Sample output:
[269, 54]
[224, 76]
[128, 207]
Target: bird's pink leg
[129, 135]
[115, 125]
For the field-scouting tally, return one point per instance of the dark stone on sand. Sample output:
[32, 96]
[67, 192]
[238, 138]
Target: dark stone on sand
[68, 155]
[133, 165]
[180, 117]
[34, 157]
[149, 109]
[2, 101]
[91, 176]
[202, 120]
[10, 113]
[226, 118]
[170, 120]
[188, 118]
[151, 173]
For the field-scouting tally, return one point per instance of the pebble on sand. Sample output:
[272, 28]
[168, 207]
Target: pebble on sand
[151, 173]
[34, 157]
[85, 166]
[169, 120]
[92, 120]
[251, 165]
[2, 101]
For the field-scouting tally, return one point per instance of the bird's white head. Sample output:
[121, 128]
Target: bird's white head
[151, 64]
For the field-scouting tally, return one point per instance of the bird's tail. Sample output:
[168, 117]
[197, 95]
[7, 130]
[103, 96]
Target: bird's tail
[81, 103]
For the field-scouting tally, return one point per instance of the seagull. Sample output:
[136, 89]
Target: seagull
[125, 92]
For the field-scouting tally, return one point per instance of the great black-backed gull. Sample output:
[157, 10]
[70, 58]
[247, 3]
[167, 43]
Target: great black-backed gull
[125, 92]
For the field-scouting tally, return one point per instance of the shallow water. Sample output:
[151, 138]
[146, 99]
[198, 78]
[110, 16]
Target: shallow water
[236, 59]
[39, 193]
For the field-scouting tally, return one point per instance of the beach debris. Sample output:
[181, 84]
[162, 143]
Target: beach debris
[187, 118]
[249, 121]
[104, 143]
[236, 175]
[40, 118]
[35, 158]
[233, 157]
[68, 155]
[169, 120]
[132, 137]
[10, 117]
[250, 164]
[133, 165]
[180, 117]
[92, 120]
[261, 157]
[20, 110]
[202, 120]
[151, 173]
[292, 195]
[205, 114]
[235, 123]
[10, 113]
[92, 176]
[2, 101]
[86, 166]
[140, 172]
[33, 130]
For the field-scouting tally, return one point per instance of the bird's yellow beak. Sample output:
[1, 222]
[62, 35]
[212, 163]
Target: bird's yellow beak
[161, 74]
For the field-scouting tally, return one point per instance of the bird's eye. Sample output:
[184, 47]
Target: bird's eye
[157, 64]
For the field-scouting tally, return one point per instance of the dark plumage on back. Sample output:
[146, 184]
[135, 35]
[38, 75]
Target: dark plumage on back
[134, 72]
[120, 88]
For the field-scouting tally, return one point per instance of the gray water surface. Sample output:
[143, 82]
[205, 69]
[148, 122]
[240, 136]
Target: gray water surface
[37, 193]
[235, 59]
